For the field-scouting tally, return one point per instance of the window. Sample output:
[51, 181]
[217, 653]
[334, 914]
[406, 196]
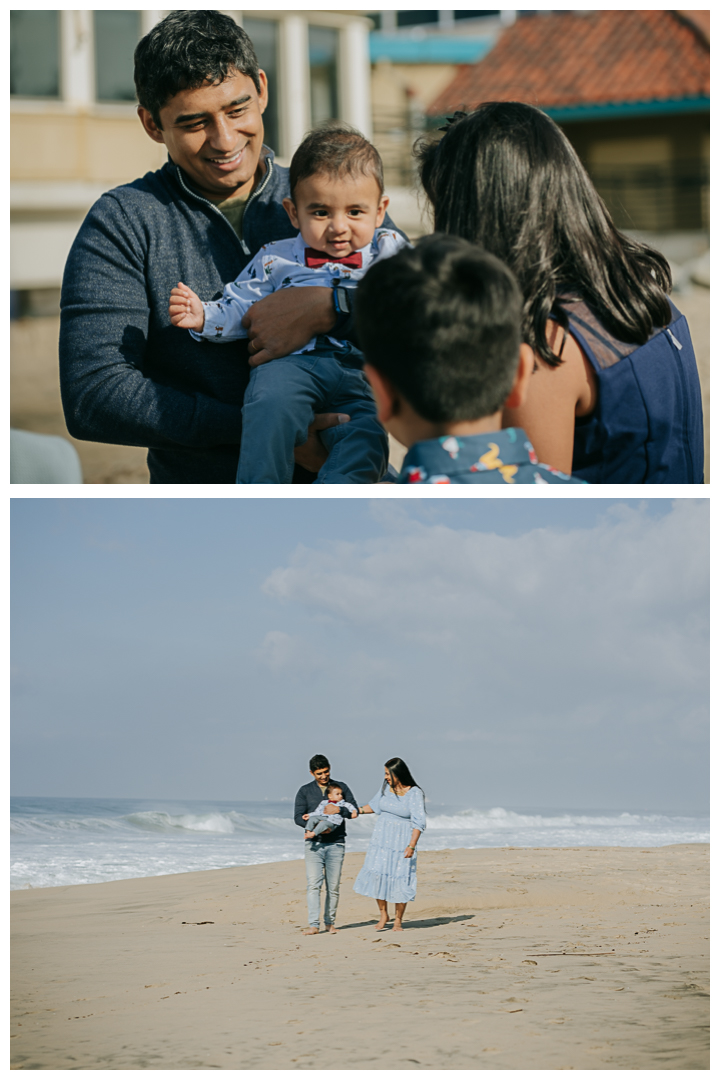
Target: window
[35, 54]
[264, 36]
[417, 18]
[324, 44]
[473, 14]
[116, 35]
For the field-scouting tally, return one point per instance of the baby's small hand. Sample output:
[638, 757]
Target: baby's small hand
[186, 310]
[305, 817]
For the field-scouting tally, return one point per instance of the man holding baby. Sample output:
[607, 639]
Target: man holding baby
[127, 375]
[324, 847]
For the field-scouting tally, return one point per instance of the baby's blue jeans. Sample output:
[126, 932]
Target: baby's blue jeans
[281, 400]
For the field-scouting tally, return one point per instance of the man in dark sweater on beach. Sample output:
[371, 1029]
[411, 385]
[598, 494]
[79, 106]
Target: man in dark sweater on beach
[325, 853]
[127, 376]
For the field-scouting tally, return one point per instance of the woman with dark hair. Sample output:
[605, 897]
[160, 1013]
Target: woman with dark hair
[615, 396]
[389, 872]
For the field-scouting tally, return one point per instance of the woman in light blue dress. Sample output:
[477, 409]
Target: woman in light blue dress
[389, 872]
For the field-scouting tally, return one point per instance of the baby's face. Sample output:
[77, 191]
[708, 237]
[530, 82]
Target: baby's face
[334, 795]
[337, 215]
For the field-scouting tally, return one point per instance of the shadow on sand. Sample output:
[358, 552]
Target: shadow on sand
[411, 924]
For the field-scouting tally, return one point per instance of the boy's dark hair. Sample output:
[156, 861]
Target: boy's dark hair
[333, 785]
[319, 761]
[185, 51]
[335, 150]
[442, 322]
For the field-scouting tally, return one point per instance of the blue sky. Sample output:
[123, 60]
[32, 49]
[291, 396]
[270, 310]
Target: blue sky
[534, 652]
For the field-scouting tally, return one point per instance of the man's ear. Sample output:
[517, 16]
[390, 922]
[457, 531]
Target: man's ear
[263, 93]
[384, 392]
[155, 133]
[525, 368]
[291, 210]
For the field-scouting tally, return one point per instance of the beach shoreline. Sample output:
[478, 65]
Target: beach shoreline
[584, 958]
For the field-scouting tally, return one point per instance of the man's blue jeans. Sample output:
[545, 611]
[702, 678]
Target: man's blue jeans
[323, 861]
[281, 400]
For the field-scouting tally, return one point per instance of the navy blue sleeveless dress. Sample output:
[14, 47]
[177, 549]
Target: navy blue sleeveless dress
[647, 425]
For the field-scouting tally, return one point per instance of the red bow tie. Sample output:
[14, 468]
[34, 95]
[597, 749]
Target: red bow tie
[315, 258]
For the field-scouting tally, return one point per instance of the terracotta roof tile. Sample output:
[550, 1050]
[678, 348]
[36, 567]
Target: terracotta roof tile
[588, 58]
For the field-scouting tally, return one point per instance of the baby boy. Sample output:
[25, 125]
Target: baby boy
[337, 203]
[319, 821]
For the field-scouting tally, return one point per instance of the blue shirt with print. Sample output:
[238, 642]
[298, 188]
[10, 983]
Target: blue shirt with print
[497, 457]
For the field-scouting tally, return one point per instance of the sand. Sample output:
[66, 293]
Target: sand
[577, 958]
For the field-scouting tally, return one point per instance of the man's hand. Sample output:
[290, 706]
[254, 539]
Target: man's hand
[284, 322]
[312, 455]
[186, 310]
[331, 808]
[354, 813]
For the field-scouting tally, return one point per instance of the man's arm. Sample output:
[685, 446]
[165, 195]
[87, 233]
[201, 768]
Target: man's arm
[348, 797]
[301, 807]
[103, 340]
[284, 322]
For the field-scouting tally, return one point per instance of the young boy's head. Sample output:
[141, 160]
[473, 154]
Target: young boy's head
[334, 792]
[440, 328]
[336, 190]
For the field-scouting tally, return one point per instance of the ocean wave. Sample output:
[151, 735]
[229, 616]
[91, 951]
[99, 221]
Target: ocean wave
[29, 826]
[234, 822]
[154, 821]
[499, 818]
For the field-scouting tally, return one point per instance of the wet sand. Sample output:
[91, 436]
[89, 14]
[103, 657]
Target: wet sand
[577, 958]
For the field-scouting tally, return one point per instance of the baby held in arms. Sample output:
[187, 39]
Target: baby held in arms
[320, 820]
[337, 203]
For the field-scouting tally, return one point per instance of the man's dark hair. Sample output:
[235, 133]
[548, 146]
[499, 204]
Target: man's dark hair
[335, 150]
[185, 51]
[442, 322]
[319, 761]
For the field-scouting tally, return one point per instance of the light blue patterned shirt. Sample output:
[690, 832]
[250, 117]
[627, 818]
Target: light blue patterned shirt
[281, 265]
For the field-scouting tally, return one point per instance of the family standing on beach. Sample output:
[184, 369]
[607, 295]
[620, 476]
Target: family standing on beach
[389, 873]
[250, 323]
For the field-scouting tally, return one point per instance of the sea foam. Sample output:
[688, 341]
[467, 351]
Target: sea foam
[76, 841]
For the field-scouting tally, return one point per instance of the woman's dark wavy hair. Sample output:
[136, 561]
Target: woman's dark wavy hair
[185, 51]
[400, 771]
[507, 178]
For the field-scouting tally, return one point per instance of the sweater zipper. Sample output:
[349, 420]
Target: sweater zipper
[253, 195]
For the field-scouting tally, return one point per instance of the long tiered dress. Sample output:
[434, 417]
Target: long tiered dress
[386, 874]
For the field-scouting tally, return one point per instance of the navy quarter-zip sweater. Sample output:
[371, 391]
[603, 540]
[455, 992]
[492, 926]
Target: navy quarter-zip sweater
[127, 375]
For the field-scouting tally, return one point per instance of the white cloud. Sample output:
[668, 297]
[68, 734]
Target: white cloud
[630, 591]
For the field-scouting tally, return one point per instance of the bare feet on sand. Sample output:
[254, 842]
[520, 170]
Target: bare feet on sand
[311, 930]
[397, 925]
[384, 920]
[330, 929]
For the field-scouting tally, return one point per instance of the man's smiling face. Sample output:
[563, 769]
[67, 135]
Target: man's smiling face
[215, 134]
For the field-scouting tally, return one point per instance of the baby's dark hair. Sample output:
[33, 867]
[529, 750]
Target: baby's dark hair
[335, 150]
[442, 322]
[332, 785]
